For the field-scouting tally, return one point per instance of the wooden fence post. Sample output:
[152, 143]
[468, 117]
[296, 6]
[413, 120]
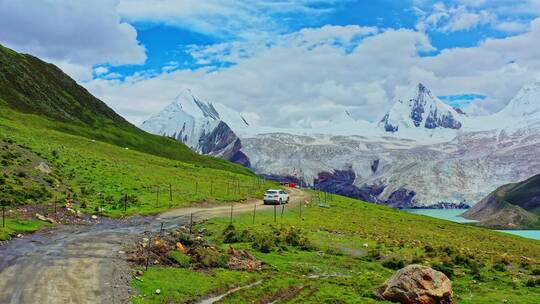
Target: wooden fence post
[254, 210]
[170, 195]
[191, 223]
[232, 205]
[157, 197]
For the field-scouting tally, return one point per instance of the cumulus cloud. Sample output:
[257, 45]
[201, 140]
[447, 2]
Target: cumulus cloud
[445, 18]
[238, 18]
[309, 79]
[307, 82]
[73, 34]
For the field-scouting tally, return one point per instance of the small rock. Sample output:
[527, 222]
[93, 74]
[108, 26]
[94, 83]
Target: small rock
[20, 236]
[94, 217]
[158, 291]
[43, 167]
[365, 245]
[45, 219]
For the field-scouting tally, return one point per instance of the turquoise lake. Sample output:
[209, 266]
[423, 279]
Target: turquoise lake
[454, 216]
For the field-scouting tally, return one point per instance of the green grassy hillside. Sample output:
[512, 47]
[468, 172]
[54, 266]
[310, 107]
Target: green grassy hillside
[352, 248]
[525, 194]
[55, 101]
[58, 143]
[514, 205]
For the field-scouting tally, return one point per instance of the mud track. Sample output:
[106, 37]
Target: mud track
[86, 263]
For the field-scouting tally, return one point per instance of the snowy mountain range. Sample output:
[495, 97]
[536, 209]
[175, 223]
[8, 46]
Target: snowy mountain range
[421, 153]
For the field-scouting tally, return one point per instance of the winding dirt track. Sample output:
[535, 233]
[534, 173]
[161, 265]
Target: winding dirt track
[86, 264]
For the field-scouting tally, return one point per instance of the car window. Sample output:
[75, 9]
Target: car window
[271, 192]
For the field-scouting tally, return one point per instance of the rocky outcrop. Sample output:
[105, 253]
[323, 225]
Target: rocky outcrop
[444, 205]
[401, 198]
[342, 182]
[417, 284]
[284, 178]
[223, 142]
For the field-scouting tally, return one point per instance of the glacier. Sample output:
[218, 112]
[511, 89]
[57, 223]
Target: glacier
[421, 153]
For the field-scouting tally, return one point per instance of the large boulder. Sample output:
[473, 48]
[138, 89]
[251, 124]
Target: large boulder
[417, 284]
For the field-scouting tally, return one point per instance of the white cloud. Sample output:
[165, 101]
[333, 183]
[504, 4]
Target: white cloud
[308, 82]
[73, 34]
[312, 83]
[445, 18]
[101, 70]
[238, 18]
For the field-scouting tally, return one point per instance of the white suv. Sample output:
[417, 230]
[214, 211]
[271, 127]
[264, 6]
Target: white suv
[276, 197]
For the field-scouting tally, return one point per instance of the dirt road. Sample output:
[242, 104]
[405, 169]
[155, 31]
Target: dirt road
[86, 264]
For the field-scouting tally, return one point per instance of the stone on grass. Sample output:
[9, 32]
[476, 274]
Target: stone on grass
[417, 284]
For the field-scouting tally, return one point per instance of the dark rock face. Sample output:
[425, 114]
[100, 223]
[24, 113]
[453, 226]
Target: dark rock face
[388, 127]
[419, 104]
[459, 111]
[444, 205]
[375, 166]
[401, 198]
[341, 182]
[445, 121]
[223, 142]
[283, 179]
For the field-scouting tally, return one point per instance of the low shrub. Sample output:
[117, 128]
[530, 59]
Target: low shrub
[393, 263]
[207, 257]
[533, 282]
[446, 268]
[499, 267]
[182, 259]
[263, 244]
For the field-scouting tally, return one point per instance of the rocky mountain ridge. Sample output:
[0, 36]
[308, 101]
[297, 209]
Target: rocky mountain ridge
[431, 156]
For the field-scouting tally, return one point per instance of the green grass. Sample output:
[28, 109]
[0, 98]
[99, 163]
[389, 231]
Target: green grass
[486, 266]
[194, 284]
[55, 101]
[100, 174]
[14, 226]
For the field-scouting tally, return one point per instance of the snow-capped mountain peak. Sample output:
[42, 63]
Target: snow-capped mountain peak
[204, 126]
[526, 103]
[194, 106]
[422, 110]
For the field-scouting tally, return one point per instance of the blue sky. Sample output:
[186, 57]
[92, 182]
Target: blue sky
[166, 43]
[313, 58]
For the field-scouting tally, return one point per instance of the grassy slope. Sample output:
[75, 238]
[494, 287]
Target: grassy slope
[488, 266]
[525, 194]
[29, 85]
[516, 203]
[94, 169]
[97, 157]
